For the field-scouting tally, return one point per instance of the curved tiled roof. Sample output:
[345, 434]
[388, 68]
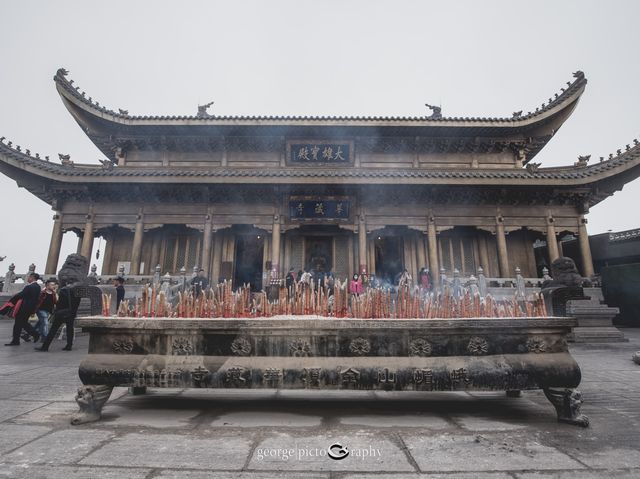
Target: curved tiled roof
[616, 164]
[566, 95]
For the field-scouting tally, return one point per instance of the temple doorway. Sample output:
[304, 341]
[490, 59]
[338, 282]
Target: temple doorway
[318, 253]
[248, 261]
[389, 257]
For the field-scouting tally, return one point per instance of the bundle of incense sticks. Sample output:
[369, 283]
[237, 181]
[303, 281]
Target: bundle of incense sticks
[106, 304]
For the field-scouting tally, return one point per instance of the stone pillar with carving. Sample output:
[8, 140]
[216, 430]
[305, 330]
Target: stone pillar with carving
[275, 247]
[432, 244]
[87, 237]
[585, 249]
[54, 246]
[552, 242]
[136, 250]
[206, 245]
[362, 245]
[501, 240]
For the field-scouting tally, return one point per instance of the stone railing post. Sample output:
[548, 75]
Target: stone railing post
[473, 285]
[156, 275]
[457, 288]
[482, 282]
[520, 288]
[9, 277]
[443, 279]
[93, 273]
[183, 278]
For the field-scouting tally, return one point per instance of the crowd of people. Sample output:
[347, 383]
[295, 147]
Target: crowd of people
[52, 307]
[359, 282]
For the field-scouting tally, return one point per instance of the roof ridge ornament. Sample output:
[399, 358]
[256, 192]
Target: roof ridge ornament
[107, 164]
[532, 168]
[582, 161]
[202, 110]
[65, 159]
[436, 112]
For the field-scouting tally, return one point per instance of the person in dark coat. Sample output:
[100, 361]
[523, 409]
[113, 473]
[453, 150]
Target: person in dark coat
[199, 283]
[28, 299]
[118, 283]
[73, 274]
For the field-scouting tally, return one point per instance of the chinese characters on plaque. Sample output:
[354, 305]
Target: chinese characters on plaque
[309, 152]
[305, 208]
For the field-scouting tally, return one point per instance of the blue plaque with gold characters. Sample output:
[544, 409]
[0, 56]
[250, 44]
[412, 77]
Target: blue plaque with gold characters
[304, 208]
[310, 152]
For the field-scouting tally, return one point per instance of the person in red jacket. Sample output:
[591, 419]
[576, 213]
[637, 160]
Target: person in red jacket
[46, 304]
[355, 286]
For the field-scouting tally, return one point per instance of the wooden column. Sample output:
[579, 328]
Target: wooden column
[432, 240]
[54, 246]
[371, 246]
[552, 242]
[206, 246]
[108, 254]
[275, 248]
[503, 259]
[362, 246]
[422, 261]
[483, 252]
[87, 238]
[136, 250]
[79, 246]
[155, 252]
[585, 249]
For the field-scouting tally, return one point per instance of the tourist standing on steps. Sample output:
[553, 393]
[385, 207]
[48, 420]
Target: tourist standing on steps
[25, 303]
[46, 304]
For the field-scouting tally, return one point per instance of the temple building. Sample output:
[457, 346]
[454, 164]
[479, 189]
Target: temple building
[248, 198]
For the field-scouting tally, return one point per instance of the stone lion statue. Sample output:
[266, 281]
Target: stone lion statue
[565, 273]
[74, 270]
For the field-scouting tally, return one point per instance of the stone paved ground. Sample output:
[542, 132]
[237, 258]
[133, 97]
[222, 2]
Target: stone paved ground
[201, 434]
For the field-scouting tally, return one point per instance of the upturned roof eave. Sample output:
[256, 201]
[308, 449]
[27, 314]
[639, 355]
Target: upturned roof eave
[507, 125]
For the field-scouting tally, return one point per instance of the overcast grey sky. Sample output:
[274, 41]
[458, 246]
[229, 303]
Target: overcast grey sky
[475, 58]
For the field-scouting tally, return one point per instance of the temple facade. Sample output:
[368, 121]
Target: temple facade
[248, 198]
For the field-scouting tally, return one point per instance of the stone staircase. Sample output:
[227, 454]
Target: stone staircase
[595, 319]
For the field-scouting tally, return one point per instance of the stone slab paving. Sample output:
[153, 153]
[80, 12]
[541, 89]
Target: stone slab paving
[463, 452]
[218, 452]
[12, 436]
[201, 434]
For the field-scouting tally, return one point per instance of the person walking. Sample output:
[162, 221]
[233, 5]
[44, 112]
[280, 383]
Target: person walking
[26, 302]
[46, 303]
